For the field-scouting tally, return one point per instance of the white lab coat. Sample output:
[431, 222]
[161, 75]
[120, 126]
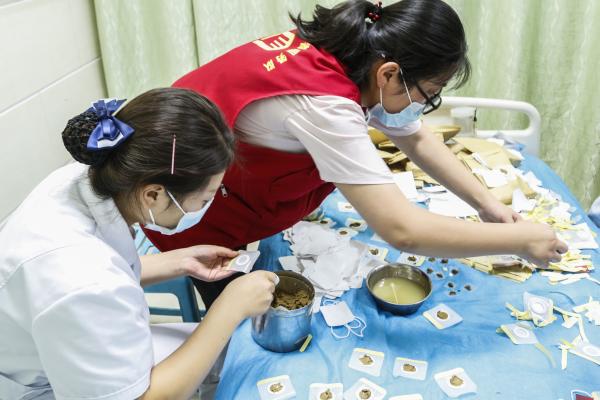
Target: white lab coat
[74, 322]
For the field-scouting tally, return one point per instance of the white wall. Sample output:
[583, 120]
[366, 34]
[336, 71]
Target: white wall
[50, 70]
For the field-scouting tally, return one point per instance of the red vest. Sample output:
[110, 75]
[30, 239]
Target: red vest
[267, 190]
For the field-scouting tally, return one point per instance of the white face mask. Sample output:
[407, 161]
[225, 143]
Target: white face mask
[379, 118]
[188, 219]
[355, 327]
[339, 317]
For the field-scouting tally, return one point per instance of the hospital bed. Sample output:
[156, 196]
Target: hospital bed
[500, 369]
[529, 137]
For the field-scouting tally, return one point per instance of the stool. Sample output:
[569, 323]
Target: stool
[181, 287]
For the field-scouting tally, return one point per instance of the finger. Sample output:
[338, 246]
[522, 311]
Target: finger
[224, 252]
[220, 274]
[269, 300]
[274, 278]
[555, 258]
[562, 247]
[517, 217]
[214, 264]
[210, 275]
[220, 263]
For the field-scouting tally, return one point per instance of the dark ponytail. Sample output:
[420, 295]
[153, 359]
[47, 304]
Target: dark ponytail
[425, 37]
[204, 145]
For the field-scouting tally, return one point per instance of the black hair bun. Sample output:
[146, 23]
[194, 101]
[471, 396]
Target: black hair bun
[76, 135]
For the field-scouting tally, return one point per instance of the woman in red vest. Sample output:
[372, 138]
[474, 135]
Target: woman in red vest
[300, 102]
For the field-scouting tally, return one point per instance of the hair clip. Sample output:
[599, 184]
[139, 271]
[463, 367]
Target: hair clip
[374, 16]
[110, 131]
[173, 155]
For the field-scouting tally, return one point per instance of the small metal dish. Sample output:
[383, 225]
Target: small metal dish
[399, 271]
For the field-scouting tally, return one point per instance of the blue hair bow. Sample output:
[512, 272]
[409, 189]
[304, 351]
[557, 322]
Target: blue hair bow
[110, 131]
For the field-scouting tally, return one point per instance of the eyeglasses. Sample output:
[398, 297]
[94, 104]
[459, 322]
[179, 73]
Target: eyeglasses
[431, 103]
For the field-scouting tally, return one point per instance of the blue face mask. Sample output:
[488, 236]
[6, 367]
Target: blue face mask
[188, 219]
[379, 118]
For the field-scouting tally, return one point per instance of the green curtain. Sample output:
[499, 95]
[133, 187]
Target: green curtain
[151, 43]
[544, 52]
[541, 51]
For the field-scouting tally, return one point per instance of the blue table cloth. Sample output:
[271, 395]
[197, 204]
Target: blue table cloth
[500, 369]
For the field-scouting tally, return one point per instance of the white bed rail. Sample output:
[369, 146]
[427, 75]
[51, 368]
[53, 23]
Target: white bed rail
[530, 136]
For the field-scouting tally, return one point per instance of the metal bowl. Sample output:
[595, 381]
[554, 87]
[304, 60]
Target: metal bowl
[283, 330]
[399, 271]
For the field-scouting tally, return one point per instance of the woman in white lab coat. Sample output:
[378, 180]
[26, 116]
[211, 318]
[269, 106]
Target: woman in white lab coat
[73, 320]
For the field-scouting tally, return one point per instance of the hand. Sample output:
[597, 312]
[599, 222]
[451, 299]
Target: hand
[250, 295]
[496, 211]
[542, 246]
[206, 263]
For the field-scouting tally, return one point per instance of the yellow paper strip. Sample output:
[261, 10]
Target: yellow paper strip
[524, 315]
[273, 379]
[375, 353]
[563, 359]
[581, 331]
[432, 320]
[305, 344]
[565, 312]
[568, 344]
[544, 350]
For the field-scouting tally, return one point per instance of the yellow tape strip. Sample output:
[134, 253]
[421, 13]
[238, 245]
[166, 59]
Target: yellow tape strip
[525, 325]
[432, 320]
[306, 342]
[544, 350]
[273, 379]
[581, 331]
[517, 313]
[542, 323]
[506, 331]
[375, 353]
[409, 360]
[565, 312]
[568, 344]
[580, 308]
[563, 359]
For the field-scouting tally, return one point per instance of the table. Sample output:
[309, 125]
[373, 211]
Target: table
[500, 369]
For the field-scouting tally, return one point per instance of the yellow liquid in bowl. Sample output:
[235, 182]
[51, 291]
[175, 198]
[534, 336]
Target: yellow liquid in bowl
[399, 290]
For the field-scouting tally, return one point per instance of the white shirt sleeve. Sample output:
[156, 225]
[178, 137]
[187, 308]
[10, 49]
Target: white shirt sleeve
[335, 133]
[95, 343]
[331, 129]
